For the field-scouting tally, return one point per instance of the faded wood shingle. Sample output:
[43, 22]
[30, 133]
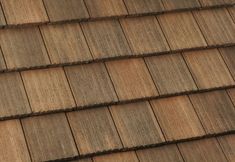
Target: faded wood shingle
[2, 62]
[117, 157]
[2, 18]
[212, 2]
[231, 93]
[228, 55]
[227, 143]
[180, 4]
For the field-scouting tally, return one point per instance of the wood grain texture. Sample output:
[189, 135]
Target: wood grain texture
[181, 30]
[217, 26]
[177, 118]
[49, 137]
[106, 8]
[61, 10]
[212, 2]
[231, 93]
[23, 47]
[2, 18]
[180, 4]
[12, 143]
[83, 160]
[208, 69]
[2, 62]
[131, 79]
[106, 39]
[94, 130]
[13, 99]
[136, 124]
[228, 145]
[204, 150]
[232, 12]
[65, 43]
[170, 74]
[144, 35]
[17, 12]
[48, 89]
[91, 84]
[143, 6]
[228, 55]
[117, 157]
[215, 111]
[168, 153]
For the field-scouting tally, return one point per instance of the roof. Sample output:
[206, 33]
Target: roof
[117, 80]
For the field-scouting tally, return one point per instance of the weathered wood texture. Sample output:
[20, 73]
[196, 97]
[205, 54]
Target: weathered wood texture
[228, 145]
[117, 157]
[180, 4]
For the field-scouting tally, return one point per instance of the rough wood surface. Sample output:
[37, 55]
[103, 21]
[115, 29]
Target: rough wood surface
[117, 157]
[131, 79]
[136, 124]
[215, 111]
[177, 118]
[2, 62]
[23, 47]
[94, 130]
[65, 43]
[17, 12]
[91, 84]
[181, 30]
[228, 145]
[83, 160]
[170, 74]
[212, 2]
[60, 10]
[106, 39]
[49, 137]
[231, 93]
[2, 18]
[232, 12]
[180, 4]
[48, 89]
[144, 35]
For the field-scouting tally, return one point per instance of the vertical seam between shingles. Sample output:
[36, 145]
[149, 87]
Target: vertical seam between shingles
[84, 1]
[1, 8]
[137, 156]
[233, 19]
[221, 149]
[44, 5]
[4, 59]
[181, 154]
[126, 7]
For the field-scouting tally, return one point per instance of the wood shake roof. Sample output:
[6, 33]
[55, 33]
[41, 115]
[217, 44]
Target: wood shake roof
[117, 80]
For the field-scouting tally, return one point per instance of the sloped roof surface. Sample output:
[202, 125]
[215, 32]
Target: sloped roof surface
[117, 80]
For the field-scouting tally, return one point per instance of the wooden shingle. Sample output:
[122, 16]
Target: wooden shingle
[106, 39]
[208, 69]
[12, 143]
[61, 10]
[215, 111]
[231, 93]
[228, 145]
[180, 4]
[83, 160]
[232, 12]
[65, 43]
[136, 124]
[13, 99]
[217, 26]
[228, 54]
[2, 18]
[143, 6]
[144, 35]
[169, 153]
[91, 84]
[94, 130]
[23, 47]
[48, 89]
[24, 11]
[177, 118]
[181, 30]
[49, 137]
[204, 150]
[212, 2]
[170, 74]
[117, 157]
[105, 8]
[131, 79]
[2, 62]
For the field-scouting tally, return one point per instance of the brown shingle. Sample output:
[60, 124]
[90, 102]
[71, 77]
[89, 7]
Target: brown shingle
[13, 99]
[229, 57]
[181, 30]
[131, 79]
[65, 43]
[82, 160]
[170, 74]
[48, 89]
[216, 25]
[144, 35]
[169, 153]
[24, 11]
[12, 143]
[59, 10]
[202, 150]
[212, 2]
[208, 69]
[23, 47]
[106, 39]
[180, 4]
[228, 145]
[136, 124]
[215, 111]
[91, 84]
[2, 62]
[94, 130]
[231, 93]
[143, 6]
[177, 118]
[232, 12]
[105, 8]
[49, 137]
[117, 157]
[2, 18]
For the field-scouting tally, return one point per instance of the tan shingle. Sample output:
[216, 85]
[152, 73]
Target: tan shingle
[2, 18]
[2, 62]
[117, 157]
[180, 4]
[231, 93]
[228, 145]
[212, 2]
